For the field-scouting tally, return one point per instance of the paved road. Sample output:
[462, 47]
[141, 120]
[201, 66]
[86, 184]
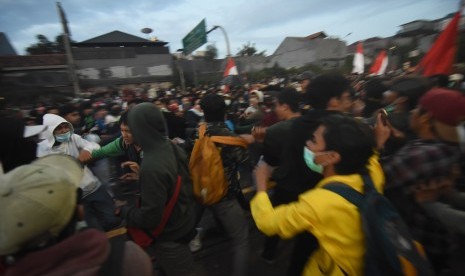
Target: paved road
[215, 256]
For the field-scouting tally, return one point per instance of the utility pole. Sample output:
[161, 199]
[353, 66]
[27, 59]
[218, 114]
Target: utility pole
[181, 72]
[69, 55]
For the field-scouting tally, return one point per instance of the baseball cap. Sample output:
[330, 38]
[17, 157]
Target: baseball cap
[30, 131]
[258, 93]
[447, 107]
[37, 201]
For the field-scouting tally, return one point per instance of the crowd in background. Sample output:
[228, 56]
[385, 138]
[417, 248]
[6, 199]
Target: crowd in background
[422, 159]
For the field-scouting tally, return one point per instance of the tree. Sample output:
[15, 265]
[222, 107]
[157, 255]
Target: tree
[60, 43]
[211, 52]
[45, 46]
[249, 50]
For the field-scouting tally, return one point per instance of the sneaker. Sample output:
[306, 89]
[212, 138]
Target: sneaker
[196, 243]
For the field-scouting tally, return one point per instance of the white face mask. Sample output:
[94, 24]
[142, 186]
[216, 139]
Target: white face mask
[227, 102]
[309, 157]
[63, 137]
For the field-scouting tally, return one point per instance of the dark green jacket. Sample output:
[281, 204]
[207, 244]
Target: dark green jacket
[158, 173]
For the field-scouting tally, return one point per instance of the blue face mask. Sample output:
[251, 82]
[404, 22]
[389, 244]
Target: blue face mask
[61, 138]
[309, 157]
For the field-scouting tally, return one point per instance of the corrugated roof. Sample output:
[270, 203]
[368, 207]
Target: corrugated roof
[116, 37]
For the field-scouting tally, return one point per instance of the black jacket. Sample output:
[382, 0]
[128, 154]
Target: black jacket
[294, 176]
[232, 156]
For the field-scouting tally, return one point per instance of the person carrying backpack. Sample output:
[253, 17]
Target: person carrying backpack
[433, 155]
[341, 149]
[163, 222]
[215, 178]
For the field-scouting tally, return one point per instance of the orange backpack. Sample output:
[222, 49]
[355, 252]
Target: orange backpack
[206, 167]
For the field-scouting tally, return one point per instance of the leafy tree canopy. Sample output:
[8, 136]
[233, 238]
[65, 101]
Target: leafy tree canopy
[211, 52]
[44, 46]
[249, 50]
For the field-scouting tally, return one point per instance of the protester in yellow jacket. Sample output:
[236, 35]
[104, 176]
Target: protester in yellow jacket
[342, 150]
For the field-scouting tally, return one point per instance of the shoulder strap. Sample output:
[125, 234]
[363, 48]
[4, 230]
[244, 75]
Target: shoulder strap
[350, 194]
[230, 140]
[346, 192]
[202, 129]
[169, 207]
[227, 140]
[368, 185]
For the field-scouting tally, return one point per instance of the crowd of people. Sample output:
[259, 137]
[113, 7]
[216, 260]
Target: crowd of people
[101, 185]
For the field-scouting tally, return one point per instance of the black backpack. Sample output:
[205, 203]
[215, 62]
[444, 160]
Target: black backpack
[390, 249]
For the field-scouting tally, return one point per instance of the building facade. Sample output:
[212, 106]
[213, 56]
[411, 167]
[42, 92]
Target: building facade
[118, 58]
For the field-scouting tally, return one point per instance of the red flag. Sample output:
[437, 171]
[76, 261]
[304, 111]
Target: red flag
[359, 62]
[231, 68]
[441, 56]
[380, 64]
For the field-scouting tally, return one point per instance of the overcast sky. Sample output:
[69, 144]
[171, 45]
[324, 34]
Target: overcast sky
[264, 23]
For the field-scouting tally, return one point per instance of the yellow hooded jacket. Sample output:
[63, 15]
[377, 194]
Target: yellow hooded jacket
[334, 221]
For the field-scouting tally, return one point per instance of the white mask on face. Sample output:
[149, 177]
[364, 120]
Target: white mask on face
[309, 157]
[63, 137]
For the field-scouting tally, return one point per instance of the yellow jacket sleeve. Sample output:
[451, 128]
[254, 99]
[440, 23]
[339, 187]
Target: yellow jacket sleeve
[284, 220]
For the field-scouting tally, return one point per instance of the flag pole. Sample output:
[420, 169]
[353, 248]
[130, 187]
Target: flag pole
[69, 55]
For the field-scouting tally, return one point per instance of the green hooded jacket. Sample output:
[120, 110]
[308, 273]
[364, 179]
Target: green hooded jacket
[158, 174]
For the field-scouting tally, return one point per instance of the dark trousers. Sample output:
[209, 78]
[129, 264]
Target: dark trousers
[99, 210]
[231, 216]
[173, 258]
[305, 243]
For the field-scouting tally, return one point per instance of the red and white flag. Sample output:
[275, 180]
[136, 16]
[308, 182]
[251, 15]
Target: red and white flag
[379, 66]
[359, 61]
[441, 56]
[231, 69]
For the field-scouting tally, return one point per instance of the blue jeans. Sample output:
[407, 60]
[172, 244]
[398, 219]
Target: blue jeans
[99, 211]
